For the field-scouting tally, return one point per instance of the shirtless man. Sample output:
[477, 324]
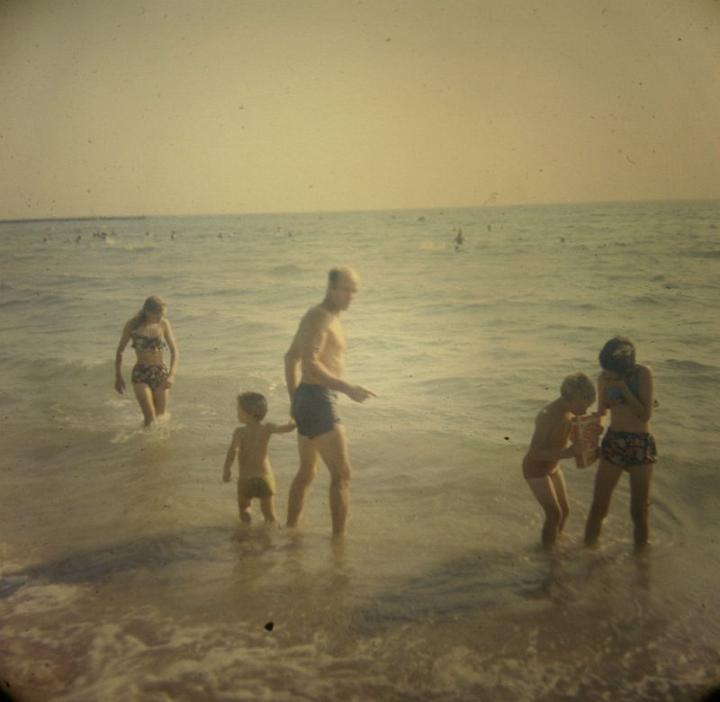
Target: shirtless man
[318, 349]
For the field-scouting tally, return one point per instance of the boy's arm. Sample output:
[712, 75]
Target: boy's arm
[538, 444]
[280, 428]
[230, 456]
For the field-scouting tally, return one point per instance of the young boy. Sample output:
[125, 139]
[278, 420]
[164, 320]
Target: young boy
[548, 446]
[250, 443]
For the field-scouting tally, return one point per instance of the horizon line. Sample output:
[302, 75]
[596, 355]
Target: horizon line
[104, 217]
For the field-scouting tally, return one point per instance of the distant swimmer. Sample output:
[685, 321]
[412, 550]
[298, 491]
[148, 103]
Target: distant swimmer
[626, 388]
[150, 333]
[250, 445]
[318, 351]
[459, 239]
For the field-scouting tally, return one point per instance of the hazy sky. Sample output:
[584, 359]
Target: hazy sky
[218, 106]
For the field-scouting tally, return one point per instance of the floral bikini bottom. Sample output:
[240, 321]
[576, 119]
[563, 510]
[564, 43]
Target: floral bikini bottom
[154, 376]
[625, 449]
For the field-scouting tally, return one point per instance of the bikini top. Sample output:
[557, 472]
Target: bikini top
[633, 383]
[140, 342]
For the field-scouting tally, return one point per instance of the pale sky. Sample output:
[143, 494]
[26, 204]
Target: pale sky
[122, 107]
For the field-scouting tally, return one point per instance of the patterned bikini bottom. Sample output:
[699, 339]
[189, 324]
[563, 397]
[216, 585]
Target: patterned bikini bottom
[154, 376]
[624, 448]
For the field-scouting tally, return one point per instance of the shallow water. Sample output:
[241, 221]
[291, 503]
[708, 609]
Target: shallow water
[126, 576]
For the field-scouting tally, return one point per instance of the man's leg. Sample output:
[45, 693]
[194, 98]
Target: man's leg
[332, 446]
[308, 470]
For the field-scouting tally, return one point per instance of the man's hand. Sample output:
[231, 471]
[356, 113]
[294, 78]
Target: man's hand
[359, 393]
[119, 384]
[226, 475]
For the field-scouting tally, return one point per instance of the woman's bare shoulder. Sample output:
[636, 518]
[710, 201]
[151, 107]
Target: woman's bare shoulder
[644, 370]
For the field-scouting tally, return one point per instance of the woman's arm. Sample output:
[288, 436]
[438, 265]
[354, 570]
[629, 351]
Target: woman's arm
[643, 407]
[124, 338]
[174, 351]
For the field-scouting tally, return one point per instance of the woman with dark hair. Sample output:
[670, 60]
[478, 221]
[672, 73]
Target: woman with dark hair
[151, 333]
[625, 388]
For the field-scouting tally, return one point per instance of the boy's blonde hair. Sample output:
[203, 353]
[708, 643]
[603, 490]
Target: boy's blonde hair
[578, 386]
[254, 404]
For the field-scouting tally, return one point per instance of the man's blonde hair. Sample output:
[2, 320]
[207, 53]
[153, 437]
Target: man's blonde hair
[578, 386]
[334, 275]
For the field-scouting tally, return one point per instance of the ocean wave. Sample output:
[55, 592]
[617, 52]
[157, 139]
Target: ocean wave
[285, 271]
[703, 254]
[33, 298]
[691, 366]
[232, 293]
[74, 279]
[133, 248]
[649, 300]
[570, 327]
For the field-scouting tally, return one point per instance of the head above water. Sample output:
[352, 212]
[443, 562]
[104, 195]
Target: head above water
[578, 391]
[253, 404]
[343, 283]
[618, 356]
[153, 310]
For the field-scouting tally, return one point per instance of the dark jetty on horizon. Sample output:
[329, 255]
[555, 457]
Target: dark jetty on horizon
[102, 218]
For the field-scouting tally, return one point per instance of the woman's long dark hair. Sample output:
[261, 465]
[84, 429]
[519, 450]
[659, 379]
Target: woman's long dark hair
[152, 305]
[618, 356]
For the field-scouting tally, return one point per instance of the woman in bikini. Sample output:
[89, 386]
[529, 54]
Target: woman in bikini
[625, 388]
[150, 333]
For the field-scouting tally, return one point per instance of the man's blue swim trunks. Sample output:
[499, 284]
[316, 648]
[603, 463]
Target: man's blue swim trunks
[313, 408]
